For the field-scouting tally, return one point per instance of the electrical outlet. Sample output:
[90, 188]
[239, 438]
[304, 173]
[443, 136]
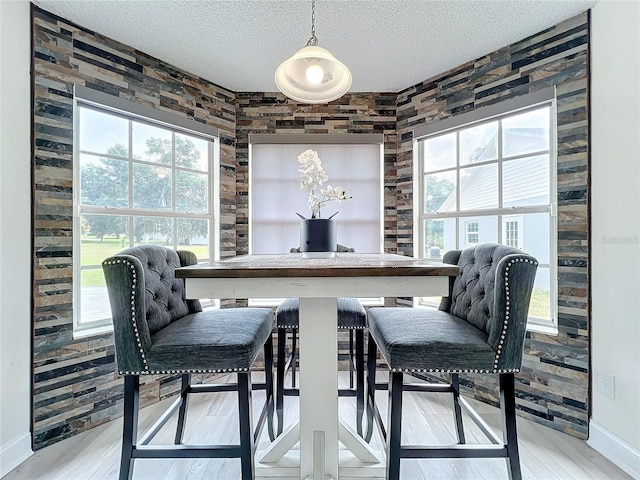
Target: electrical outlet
[606, 384]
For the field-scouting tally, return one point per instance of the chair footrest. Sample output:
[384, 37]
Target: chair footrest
[213, 387]
[186, 451]
[342, 392]
[427, 387]
[419, 387]
[347, 392]
[454, 451]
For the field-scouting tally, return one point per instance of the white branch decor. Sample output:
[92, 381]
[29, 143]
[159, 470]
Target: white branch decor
[312, 176]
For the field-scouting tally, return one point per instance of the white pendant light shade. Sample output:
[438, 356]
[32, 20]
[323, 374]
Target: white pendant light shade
[313, 75]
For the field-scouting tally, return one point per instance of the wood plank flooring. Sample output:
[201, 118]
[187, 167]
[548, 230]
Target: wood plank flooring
[94, 455]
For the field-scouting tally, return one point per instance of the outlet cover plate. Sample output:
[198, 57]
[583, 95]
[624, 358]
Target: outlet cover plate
[606, 384]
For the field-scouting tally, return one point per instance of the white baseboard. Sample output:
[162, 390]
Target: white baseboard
[14, 453]
[614, 449]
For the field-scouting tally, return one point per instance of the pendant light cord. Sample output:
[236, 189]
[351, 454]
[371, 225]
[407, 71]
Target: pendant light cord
[313, 41]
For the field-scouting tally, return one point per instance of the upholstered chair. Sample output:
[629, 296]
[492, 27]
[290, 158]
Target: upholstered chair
[479, 329]
[157, 331]
[351, 317]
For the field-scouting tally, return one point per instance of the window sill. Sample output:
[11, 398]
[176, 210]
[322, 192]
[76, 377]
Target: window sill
[551, 330]
[84, 332]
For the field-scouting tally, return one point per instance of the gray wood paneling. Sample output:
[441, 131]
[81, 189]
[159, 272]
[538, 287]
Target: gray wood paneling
[74, 381]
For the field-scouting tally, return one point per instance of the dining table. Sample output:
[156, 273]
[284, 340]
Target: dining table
[318, 282]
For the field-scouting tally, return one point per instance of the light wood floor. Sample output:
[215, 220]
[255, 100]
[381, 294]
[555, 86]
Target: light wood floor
[95, 454]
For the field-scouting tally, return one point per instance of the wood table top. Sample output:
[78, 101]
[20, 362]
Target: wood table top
[294, 265]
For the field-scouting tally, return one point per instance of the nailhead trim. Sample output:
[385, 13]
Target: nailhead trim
[133, 310]
[508, 306]
[296, 327]
[455, 370]
[166, 372]
[499, 349]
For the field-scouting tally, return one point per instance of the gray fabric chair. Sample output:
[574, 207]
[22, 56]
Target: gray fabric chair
[479, 328]
[158, 331]
[352, 317]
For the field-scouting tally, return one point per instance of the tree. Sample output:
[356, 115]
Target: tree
[152, 190]
[192, 192]
[436, 190]
[106, 183]
[147, 228]
[101, 225]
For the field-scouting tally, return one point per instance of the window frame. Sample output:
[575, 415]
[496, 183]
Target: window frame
[511, 107]
[131, 112]
[469, 232]
[519, 221]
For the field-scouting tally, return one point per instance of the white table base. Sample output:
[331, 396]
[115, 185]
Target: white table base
[318, 431]
[350, 467]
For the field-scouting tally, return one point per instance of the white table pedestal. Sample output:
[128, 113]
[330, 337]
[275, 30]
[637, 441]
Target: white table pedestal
[319, 432]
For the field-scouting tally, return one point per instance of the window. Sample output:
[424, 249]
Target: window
[136, 182]
[472, 233]
[275, 194]
[353, 162]
[512, 231]
[492, 180]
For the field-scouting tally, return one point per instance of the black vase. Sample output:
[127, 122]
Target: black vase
[318, 235]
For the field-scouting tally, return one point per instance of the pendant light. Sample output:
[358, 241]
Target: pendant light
[313, 74]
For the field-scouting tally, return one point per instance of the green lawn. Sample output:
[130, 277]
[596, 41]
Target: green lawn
[94, 251]
[540, 304]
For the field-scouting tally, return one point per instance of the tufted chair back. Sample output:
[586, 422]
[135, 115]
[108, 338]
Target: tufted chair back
[483, 295]
[145, 297]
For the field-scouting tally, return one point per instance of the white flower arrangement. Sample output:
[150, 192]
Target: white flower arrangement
[312, 176]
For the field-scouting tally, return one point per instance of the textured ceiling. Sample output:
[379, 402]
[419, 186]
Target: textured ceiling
[387, 44]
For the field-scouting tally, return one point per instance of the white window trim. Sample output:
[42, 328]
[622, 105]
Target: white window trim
[469, 232]
[480, 115]
[518, 219]
[86, 97]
